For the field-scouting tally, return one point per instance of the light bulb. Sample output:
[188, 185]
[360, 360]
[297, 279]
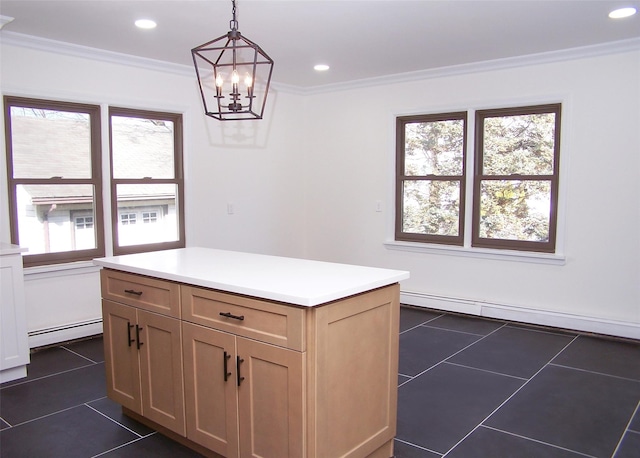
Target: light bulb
[235, 79]
[219, 85]
[248, 81]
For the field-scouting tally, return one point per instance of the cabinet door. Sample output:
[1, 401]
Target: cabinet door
[210, 388]
[270, 400]
[161, 370]
[121, 355]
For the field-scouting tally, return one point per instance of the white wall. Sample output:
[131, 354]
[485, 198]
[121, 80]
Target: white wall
[600, 181]
[255, 166]
[305, 181]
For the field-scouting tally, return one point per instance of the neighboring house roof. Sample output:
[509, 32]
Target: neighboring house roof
[46, 147]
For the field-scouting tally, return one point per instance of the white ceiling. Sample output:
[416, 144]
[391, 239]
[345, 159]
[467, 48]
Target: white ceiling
[358, 39]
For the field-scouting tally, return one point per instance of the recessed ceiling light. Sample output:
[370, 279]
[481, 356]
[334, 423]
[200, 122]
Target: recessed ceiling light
[145, 24]
[321, 67]
[622, 12]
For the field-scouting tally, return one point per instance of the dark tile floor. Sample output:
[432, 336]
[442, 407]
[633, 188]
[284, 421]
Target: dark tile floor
[468, 387]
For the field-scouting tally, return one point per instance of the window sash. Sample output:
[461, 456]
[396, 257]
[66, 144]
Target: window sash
[94, 180]
[481, 178]
[432, 232]
[177, 180]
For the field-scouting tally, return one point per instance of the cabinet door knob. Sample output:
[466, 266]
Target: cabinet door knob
[238, 361]
[226, 358]
[132, 291]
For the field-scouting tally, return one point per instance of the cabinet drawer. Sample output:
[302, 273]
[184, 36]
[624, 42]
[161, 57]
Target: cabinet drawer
[243, 316]
[151, 294]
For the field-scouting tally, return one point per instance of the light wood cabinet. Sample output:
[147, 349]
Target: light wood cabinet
[143, 360]
[241, 395]
[263, 378]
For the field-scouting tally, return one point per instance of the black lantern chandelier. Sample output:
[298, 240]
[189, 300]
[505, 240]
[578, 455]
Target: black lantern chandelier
[234, 75]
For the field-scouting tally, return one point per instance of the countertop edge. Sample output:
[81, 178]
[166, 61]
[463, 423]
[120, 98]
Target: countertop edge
[394, 276]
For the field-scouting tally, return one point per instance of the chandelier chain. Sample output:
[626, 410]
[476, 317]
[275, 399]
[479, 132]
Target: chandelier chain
[233, 24]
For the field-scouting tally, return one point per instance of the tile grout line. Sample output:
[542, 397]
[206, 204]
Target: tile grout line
[123, 445]
[536, 440]
[593, 372]
[10, 425]
[46, 415]
[485, 370]
[49, 375]
[78, 354]
[417, 446]
[454, 330]
[510, 397]
[626, 429]
[422, 324]
[451, 356]
[112, 419]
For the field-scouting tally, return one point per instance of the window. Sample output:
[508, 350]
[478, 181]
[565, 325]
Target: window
[55, 186]
[150, 217]
[430, 168]
[53, 171]
[84, 222]
[514, 185]
[147, 184]
[127, 219]
[516, 181]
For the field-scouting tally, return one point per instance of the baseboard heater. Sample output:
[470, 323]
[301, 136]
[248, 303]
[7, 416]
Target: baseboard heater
[57, 334]
[522, 314]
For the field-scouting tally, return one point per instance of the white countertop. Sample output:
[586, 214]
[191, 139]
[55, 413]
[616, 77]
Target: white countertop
[295, 281]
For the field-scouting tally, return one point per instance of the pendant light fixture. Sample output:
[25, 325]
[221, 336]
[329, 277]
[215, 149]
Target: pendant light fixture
[234, 75]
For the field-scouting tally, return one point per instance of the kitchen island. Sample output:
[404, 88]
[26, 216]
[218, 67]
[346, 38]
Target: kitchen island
[237, 354]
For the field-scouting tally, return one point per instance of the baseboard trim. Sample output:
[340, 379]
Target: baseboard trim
[55, 335]
[522, 314]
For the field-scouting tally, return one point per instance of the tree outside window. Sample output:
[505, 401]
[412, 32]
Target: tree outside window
[431, 178]
[514, 187]
[516, 180]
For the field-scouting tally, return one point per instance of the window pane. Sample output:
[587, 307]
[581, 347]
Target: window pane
[519, 144]
[56, 218]
[142, 147]
[434, 148]
[49, 143]
[431, 207]
[147, 213]
[515, 210]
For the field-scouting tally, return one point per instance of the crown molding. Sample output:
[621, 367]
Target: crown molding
[86, 52]
[5, 20]
[44, 44]
[614, 47]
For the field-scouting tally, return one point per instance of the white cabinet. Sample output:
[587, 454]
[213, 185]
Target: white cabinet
[14, 342]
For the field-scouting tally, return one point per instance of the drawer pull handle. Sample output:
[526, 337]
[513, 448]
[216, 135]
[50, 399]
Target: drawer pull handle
[238, 361]
[132, 291]
[227, 356]
[229, 315]
[129, 326]
[138, 343]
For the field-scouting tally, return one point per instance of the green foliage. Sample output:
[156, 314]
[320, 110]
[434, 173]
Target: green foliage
[433, 149]
[511, 207]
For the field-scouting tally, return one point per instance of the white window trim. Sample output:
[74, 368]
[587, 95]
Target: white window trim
[472, 252]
